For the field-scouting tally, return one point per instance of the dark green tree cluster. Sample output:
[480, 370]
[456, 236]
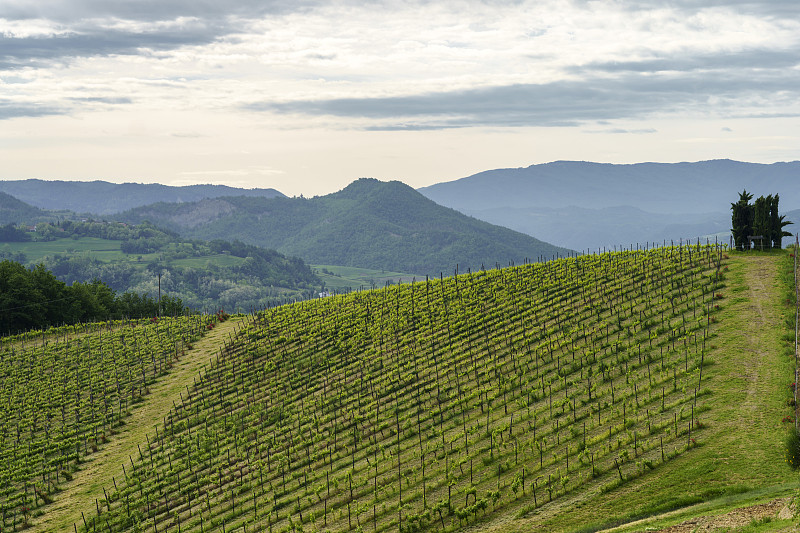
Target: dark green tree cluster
[34, 298]
[758, 219]
[11, 233]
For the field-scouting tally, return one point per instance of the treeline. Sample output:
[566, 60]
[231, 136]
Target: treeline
[34, 298]
[757, 221]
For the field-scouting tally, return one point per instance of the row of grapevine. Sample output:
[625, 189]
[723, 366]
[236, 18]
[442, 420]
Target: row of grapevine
[429, 406]
[62, 395]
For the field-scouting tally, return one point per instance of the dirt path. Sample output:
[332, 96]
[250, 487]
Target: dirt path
[757, 270]
[738, 518]
[102, 467]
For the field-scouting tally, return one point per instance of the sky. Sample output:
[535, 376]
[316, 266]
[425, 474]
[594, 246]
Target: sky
[307, 96]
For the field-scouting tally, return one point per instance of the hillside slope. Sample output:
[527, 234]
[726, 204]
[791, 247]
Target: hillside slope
[439, 405]
[14, 210]
[571, 396]
[104, 198]
[368, 224]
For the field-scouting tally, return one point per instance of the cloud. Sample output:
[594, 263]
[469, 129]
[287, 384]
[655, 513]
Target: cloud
[568, 102]
[53, 30]
[9, 110]
[778, 8]
[759, 59]
[414, 66]
[39, 51]
[187, 135]
[66, 12]
[110, 100]
[616, 131]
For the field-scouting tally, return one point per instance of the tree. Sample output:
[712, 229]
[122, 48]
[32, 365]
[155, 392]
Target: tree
[35, 298]
[742, 219]
[10, 233]
[762, 219]
[777, 223]
[20, 303]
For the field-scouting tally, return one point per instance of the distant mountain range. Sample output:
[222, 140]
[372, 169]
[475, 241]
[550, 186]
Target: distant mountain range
[584, 205]
[104, 198]
[572, 204]
[368, 224]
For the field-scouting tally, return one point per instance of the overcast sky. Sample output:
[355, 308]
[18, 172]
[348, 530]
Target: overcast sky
[306, 96]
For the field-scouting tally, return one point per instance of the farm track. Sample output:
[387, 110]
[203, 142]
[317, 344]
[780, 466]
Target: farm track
[104, 466]
[758, 269]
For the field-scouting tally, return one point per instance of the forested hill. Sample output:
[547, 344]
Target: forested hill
[372, 224]
[204, 275]
[104, 198]
[15, 210]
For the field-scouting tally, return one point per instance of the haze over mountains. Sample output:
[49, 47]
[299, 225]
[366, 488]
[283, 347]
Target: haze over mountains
[573, 205]
[584, 205]
[104, 198]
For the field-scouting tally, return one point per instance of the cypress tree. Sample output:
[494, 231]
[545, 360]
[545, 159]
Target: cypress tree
[777, 223]
[761, 220]
[742, 219]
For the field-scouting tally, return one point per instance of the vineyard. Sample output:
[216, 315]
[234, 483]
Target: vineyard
[63, 392]
[417, 407]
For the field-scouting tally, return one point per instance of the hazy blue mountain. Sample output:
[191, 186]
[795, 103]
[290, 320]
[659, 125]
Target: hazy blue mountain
[369, 224]
[584, 205]
[580, 228]
[702, 187]
[104, 198]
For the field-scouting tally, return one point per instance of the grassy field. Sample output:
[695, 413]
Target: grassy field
[220, 260]
[352, 278]
[101, 249]
[338, 278]
[108, 251]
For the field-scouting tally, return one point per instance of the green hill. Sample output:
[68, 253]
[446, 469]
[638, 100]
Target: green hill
[147, 260]
[368, 224]
[13, 210]
[571, 395]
